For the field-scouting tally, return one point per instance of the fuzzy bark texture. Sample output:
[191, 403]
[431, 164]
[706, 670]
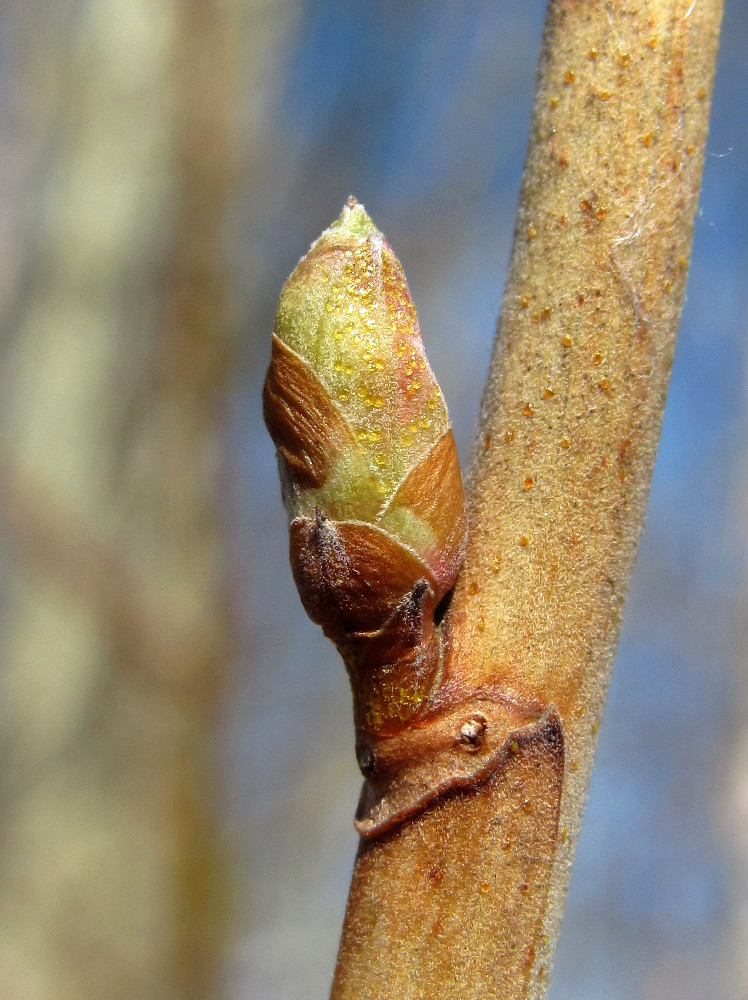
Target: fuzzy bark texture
[465, 899]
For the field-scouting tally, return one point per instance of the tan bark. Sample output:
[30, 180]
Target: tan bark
[465, 899]
[115, 627]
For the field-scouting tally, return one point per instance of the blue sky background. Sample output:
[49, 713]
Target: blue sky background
[422, 110]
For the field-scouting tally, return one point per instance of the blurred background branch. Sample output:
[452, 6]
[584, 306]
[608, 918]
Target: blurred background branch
[118, 344]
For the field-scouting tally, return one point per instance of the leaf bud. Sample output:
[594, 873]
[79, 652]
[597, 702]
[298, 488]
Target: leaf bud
[368, 466]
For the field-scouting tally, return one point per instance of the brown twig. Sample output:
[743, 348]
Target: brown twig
[465, 898]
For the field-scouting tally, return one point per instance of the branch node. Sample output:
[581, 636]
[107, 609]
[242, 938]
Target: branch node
[455, 747]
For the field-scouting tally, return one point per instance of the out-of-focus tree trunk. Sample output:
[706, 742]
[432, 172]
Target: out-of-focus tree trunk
[115, 631]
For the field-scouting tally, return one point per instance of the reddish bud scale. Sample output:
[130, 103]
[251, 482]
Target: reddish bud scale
[368, 468]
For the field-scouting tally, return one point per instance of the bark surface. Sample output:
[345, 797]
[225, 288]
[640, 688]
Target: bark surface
[465, 899]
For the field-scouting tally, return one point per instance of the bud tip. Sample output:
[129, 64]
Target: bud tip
[354, 219]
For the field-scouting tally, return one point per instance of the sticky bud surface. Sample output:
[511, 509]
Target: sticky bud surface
[368, 467]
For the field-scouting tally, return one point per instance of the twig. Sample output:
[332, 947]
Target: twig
[465, 899]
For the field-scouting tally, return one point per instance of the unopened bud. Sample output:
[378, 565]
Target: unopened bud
[368, 465]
